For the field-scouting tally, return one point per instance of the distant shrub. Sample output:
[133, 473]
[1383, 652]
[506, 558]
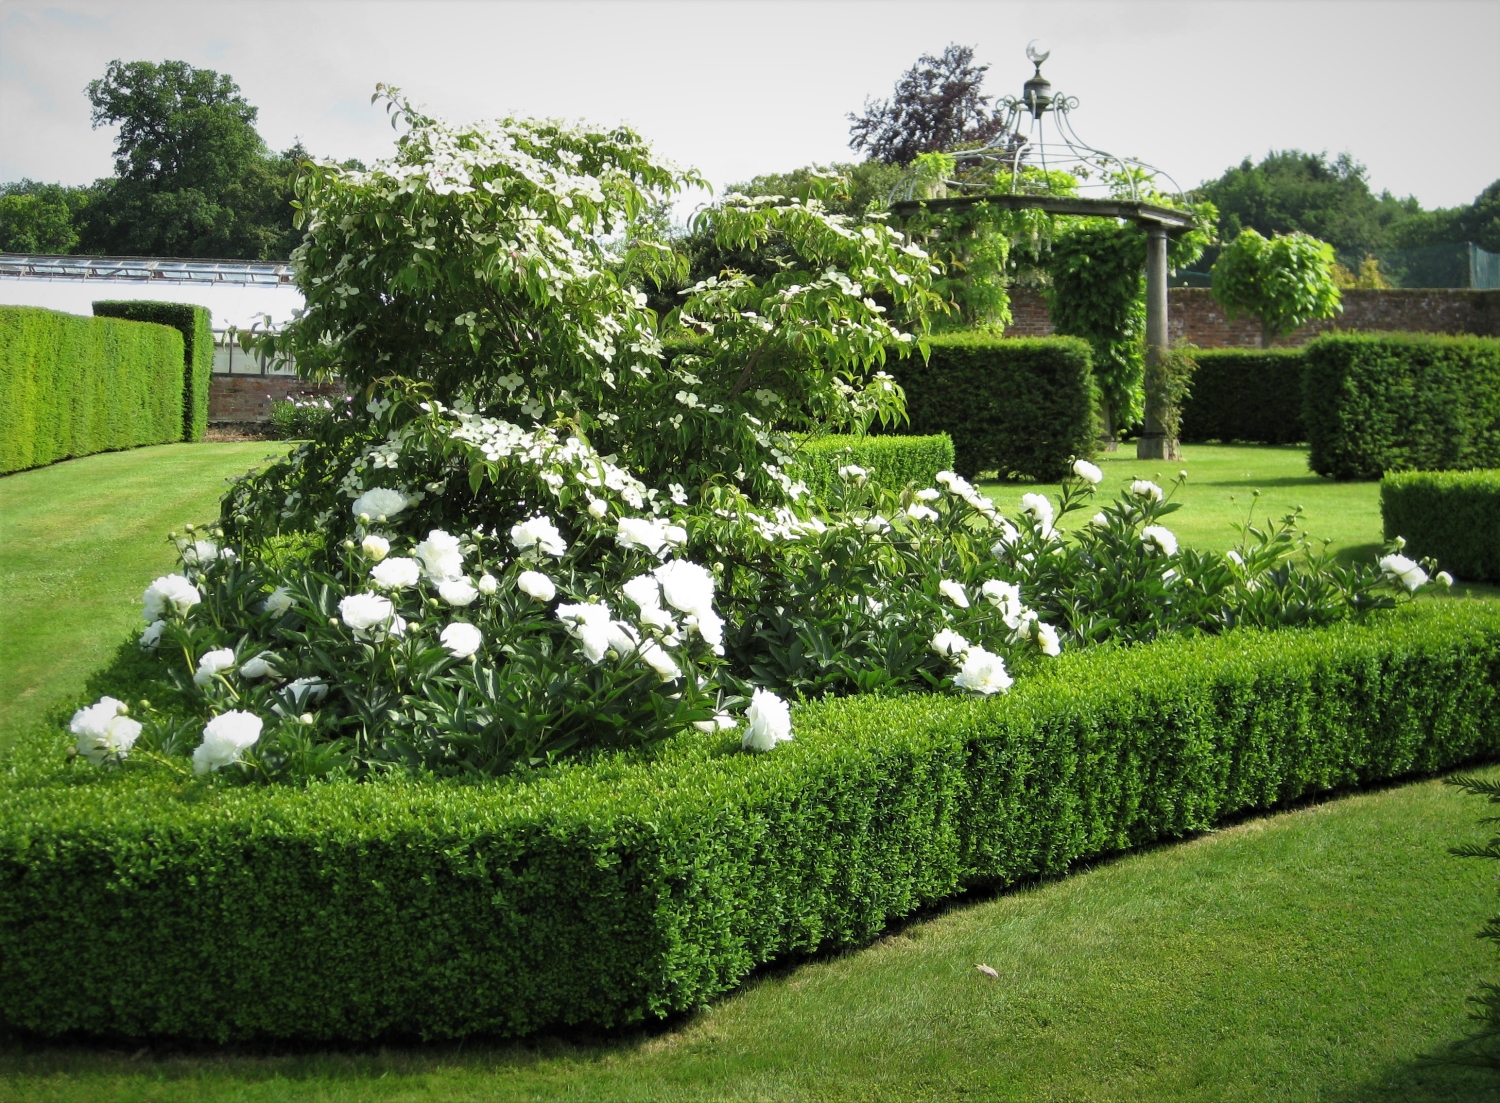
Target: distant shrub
[1020, 407]
[301, 418]
[72, 385]
[890, 461]
[195, 323]
[1251, 395]
[1374, 403]
[1451, 516]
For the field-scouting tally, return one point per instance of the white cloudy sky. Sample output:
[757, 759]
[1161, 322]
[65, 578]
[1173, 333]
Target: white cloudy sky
[1412, 89]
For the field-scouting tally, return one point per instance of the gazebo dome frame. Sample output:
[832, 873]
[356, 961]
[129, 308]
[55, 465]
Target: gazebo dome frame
[1024, 143]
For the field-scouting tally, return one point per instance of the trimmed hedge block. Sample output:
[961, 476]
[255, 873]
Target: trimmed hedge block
[1022, 407]
[195, 323]
[640, 884]
[1452, 516]
[1245, 395]
[1374, 403]
[72, 386]
[892, 461]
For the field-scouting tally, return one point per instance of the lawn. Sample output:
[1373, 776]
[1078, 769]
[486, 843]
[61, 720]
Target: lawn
[79, 541]
[1311, 955]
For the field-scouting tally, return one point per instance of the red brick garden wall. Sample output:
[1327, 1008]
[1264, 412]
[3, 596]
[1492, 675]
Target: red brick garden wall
[1192, 313]
[242, 399]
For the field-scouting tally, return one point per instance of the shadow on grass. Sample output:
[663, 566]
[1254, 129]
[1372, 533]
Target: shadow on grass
[1455, 1073]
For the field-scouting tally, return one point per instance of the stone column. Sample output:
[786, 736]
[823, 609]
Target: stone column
[1153, 443]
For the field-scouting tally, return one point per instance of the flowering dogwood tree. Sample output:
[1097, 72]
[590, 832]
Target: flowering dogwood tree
[532, 534]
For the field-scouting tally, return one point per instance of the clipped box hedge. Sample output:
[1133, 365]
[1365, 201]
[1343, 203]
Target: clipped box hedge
[1374, 403]
[72, 385]
[195, 323]
[892, 461]
[1452, 516]
[1021, 407]
[1251, 395]
[636, 886]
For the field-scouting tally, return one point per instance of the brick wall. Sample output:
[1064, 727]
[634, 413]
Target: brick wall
[242, 399]
[1192, 313]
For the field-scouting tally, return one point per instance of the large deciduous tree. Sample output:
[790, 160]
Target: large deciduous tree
[937, 104]
[193, 177]
[1283, 282]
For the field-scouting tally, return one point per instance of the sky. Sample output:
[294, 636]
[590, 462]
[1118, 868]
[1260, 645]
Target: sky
[742, 87]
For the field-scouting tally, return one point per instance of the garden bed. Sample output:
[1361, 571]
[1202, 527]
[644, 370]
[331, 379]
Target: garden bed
[634, 887]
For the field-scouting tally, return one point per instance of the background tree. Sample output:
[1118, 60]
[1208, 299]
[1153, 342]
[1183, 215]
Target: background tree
[1283, 282]
[936, 106]
[42, 218]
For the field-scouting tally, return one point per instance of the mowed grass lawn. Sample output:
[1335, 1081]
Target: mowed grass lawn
[1316, 954]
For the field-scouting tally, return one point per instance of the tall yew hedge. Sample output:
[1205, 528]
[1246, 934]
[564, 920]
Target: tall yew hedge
[1019, 407]
[1251, 395]
[71, 385]
[1383, 402]
[195, 323]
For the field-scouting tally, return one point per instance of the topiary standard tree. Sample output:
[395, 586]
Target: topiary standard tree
[1283, 282]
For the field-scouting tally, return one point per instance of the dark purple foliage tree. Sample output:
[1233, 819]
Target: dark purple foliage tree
[937, 105]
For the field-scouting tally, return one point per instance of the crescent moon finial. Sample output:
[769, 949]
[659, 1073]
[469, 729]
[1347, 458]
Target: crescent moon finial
[1035, 56]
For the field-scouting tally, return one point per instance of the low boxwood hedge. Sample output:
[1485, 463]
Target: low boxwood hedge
[1252, 395]
[1452, 516]
[891, 461]
[634, 887]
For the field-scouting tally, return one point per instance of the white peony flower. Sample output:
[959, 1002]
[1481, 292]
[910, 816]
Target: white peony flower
[674, 535]
[918, 512]
[954, 593]
[1046, 639]
[1039, 506]
[539, 533]
[367, 614]
[1145, 488]
[642, 532]
[930, 494]
[1008, 536]
[171, 593]
[487, 584]
[657, 659]
[396, 573]
[654, 616]
[440, 557]
[380, 504]
[459, 591]
[1235, 557]
[875, 525]
[853, 473]
[598, 508]
[198, 553]
[258, 667]
[1088, 472]
[589, 624]
[536, 585]
[948, 643]
[1005, 596]
[644, 590]
[982, 672]
[1099, 520]
[1403, 570]
[687, 587]
[104, 731]
[461, 639]
[723, 722]
[623, 638]
[710, 626]
[1445, 578]
[769, 721]
[1161, 537]
[1400, 543]
[225, 738]
[957, 484]
[213, 662]
[277, 602]
[151, 634]
[376, 547]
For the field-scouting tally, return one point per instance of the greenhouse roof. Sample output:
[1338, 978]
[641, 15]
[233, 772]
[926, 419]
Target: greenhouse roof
[142, 269]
